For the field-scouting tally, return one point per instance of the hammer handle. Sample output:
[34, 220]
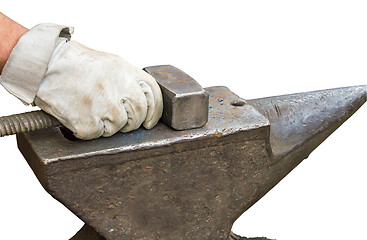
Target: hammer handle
[26, 122]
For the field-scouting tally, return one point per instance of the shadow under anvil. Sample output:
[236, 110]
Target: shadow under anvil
[188, 184]
[87, 232]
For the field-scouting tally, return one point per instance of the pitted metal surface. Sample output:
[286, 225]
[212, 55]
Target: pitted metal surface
[158, 183]
[225, 119]
[193, 184]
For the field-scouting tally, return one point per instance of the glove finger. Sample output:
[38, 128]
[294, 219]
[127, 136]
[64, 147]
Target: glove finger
[154, 99]
[136, 109]
[87, 130]
[114, 120]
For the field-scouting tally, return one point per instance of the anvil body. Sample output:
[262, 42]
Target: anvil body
[193, 184]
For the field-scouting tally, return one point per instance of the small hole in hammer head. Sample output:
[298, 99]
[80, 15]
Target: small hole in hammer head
[68, 134]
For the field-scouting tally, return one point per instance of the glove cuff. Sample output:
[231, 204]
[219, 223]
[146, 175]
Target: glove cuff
[28, 61]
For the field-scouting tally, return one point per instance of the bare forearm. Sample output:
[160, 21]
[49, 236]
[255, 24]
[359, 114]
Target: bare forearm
[10, 32]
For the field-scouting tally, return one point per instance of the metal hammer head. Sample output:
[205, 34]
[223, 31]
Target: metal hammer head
[185, 102]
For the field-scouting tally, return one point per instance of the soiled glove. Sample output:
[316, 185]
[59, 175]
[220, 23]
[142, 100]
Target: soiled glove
[96, 94]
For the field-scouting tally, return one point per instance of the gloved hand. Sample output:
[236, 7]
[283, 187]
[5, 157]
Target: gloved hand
[97, 94]
[92, 93]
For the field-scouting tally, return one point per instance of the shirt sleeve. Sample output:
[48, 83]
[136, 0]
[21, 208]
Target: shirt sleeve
[28, 61]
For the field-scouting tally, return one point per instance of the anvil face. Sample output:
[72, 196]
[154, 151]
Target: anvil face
[167, 184]
[160, 183]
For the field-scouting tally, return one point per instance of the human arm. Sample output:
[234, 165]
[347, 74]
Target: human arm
[10, 32]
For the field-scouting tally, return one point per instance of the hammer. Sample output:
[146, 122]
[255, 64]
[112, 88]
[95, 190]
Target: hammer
[185, 105]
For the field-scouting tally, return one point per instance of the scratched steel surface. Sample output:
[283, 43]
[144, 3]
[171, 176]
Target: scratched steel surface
[225, 119]
[191, 184]
[160, 183]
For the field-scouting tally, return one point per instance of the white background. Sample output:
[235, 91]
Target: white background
[257, 49]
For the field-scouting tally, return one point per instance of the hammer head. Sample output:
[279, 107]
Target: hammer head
[185, 102]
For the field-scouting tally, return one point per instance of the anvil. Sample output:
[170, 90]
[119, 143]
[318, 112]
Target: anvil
[191, 184]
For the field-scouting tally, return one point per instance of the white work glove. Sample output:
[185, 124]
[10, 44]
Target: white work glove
[97, 94]
[94, 93]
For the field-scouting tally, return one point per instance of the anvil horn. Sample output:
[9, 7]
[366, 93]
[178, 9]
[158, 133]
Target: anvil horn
[300, 122]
